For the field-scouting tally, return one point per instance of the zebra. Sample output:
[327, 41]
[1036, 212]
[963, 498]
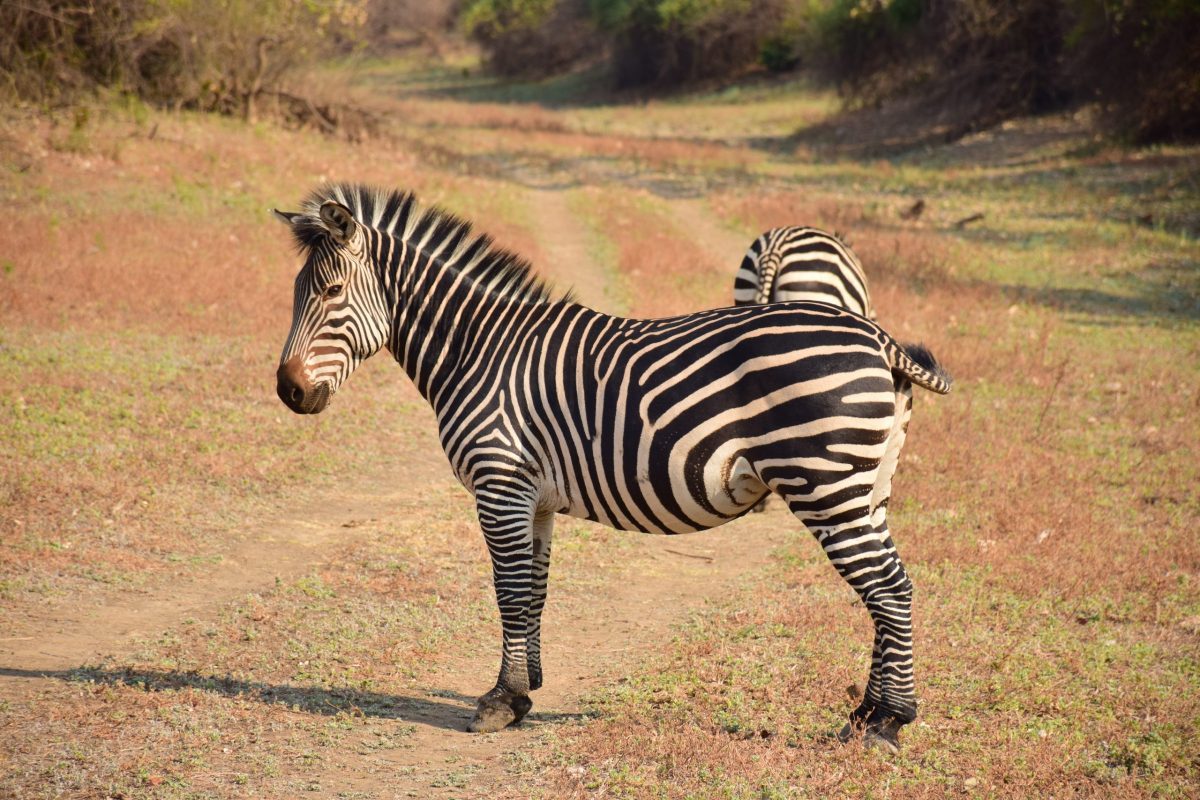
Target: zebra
[800, 263]
[667, 426]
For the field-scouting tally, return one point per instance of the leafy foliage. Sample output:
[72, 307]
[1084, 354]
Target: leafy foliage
[529, 37]
[971, 63]
[676, 41]
[985, 61]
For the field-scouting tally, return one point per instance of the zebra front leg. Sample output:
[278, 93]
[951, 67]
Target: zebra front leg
[506, 514]
[543, 529]
[866, 558]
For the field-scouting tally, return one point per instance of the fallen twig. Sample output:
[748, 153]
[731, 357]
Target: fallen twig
[965, 221]
[689, 555]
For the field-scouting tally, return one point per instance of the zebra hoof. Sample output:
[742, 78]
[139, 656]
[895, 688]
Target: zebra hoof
[495, 713]
[878, 734]
[520, 707]
[880, 740]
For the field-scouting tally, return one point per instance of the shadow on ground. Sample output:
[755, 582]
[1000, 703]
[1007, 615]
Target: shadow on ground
[451, 711]
[1166, 291]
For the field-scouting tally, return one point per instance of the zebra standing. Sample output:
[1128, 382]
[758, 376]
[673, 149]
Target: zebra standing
[663, 426]
[802, 264]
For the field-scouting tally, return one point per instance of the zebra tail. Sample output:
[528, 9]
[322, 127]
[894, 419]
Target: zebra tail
[916, 363]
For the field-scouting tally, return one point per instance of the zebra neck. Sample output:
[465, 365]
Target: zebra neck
[444, 326]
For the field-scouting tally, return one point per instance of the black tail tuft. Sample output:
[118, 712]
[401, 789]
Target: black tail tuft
[925, 359]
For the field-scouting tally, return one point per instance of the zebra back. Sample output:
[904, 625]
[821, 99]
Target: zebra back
[802, 263]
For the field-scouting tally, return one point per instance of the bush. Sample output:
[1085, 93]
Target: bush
[982, 61]
[666, 42]
[987, 60]
[218, 55]
[530, 38]
[650, 42]
[1141, 60]
[52, 47]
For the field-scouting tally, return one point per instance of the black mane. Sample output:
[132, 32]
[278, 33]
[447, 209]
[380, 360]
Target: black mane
[399, 214]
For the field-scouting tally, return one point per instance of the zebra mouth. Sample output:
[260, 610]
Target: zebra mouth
[317, 399]
[312, 401]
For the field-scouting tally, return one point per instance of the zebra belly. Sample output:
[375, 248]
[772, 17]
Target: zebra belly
[636, 503]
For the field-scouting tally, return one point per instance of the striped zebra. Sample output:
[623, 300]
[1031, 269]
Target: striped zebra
[544, 406]
[802, 264]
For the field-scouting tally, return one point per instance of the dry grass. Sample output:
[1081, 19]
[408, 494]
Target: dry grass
[664, 271]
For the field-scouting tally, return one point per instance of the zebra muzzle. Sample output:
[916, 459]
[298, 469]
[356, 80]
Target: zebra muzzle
[297, 392]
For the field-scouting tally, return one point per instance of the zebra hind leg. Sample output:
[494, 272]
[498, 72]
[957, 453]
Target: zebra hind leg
[866, 558]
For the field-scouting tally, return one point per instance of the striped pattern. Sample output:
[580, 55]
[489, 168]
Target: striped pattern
[663, 426]
[797, 263]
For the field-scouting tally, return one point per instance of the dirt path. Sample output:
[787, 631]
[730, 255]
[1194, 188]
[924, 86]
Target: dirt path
[591, 639]
[724, 246]
[564, 242]
[596, 631]
[282, 546]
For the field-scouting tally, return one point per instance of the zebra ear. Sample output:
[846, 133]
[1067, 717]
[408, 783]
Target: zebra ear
[287, 217]
[339, 221]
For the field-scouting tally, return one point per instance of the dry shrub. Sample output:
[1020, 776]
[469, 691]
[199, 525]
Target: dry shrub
[980, 61]
[52, 47]
[401, 23]
[213, 56]
[649, 42]
[1140, 58]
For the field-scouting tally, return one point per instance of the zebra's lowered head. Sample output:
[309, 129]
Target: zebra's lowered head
[338, 313]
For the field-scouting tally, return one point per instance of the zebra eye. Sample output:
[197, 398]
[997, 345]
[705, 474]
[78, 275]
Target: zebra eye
[332, 290]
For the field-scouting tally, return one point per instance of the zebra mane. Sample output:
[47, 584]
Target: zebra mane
[399, 214]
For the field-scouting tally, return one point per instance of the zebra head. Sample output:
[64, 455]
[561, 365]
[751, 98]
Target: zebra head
[339, 316]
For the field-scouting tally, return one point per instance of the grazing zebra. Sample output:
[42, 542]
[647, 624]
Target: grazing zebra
[802, 264]
[663, 426]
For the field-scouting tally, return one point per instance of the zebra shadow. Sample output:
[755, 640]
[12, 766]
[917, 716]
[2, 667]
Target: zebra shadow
[438, 709]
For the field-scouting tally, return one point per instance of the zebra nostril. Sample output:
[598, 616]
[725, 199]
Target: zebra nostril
[296, 395]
